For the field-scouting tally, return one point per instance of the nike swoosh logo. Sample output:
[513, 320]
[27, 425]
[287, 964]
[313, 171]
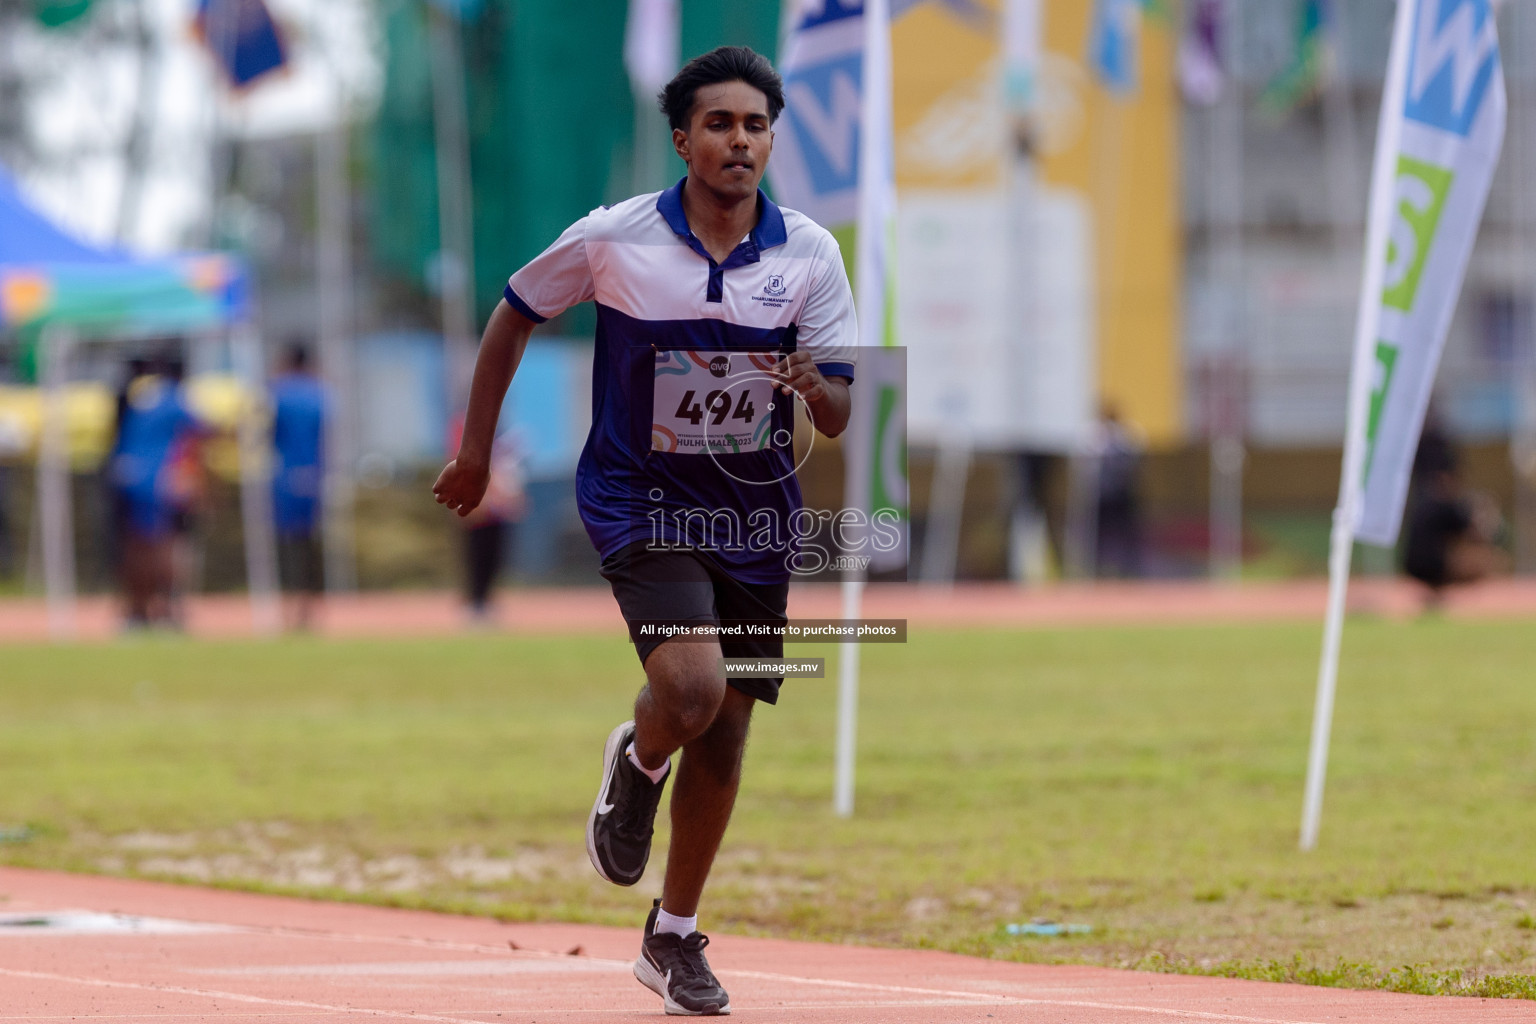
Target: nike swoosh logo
[603, 806]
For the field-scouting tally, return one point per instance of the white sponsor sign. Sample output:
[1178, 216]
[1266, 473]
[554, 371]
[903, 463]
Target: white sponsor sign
[987, 367]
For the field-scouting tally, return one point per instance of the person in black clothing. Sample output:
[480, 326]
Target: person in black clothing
[489, 529]
[1118, 547]
[1450, 531]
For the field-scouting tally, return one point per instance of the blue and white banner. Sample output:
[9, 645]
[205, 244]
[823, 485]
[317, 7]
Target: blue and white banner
[1441, 133]
[834, 161]
[815, 165]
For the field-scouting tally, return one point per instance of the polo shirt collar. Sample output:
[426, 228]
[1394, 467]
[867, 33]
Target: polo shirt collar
[769, 231]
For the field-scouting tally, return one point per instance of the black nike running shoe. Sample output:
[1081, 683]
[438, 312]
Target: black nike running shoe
[623, 818]
[673, 966]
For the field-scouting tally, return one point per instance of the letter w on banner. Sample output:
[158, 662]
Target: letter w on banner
[1448, 131]
[833, 161]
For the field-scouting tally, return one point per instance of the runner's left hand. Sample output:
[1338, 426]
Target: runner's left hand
[797, 374]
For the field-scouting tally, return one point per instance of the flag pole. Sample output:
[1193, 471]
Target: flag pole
[256, 512]
[1346, 514]
[455, 202]
[1022, 30]
[335, 309]
[55, 504]
[1228, 416]
[1118, 69]
[847, 703]
[1339, 132]
[869, 291]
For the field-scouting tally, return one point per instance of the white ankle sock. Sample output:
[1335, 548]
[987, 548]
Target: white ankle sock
[654, 775]
[684, 926]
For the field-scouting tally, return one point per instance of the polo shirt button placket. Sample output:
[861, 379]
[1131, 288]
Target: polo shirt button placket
[712, 307]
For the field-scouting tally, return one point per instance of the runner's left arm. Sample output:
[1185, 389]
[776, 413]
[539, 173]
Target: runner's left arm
[820, 369]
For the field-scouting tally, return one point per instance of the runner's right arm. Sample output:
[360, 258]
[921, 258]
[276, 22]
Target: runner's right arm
[462, 484]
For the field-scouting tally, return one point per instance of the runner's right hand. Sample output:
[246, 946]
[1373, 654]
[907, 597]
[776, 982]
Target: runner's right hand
[461, 485]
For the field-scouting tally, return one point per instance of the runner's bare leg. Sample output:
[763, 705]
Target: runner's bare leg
[686, 704]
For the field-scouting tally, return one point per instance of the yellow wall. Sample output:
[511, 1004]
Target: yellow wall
[938, 62]
[1120, 154]
[1125, 157]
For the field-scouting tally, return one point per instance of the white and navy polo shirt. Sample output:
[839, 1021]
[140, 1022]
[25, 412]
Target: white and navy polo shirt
[688, 444]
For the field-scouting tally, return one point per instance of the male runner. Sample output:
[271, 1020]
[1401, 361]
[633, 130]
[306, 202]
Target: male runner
[712, 302]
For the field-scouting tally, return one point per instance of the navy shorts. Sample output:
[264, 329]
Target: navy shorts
[683, 586]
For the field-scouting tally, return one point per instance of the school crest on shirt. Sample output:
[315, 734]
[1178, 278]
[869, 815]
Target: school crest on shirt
[775, 292]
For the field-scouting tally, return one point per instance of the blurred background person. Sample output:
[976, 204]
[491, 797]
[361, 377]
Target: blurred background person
[116, 527]
[154, 420]
[184, 485]
[1118, 543]
[1452, 532]
[488, 530]
[300, 408]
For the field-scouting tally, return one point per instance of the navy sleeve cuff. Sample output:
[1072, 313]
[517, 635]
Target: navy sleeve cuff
[516, 302]
[836, 370]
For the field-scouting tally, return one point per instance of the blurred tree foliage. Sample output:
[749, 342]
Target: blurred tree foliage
[54, 13]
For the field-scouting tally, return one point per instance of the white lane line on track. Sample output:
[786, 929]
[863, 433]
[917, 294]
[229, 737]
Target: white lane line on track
[502, 966]
[962, 997]
[965, 998]
[223, 1014]
[235, 997]
[286, 932]
[1002, 1000]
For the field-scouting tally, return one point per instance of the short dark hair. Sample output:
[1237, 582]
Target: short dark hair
[725, 64]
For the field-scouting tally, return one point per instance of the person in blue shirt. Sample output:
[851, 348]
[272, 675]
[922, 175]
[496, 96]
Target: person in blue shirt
[300, 409]
[155, 423]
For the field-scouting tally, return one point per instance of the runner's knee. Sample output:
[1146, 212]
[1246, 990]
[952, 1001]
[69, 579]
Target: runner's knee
[687, 686]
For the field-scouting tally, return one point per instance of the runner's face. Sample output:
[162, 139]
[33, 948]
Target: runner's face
[728, 139]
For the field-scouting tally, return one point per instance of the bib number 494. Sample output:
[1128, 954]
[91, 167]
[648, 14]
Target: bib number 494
[717, 405]
[707, 402]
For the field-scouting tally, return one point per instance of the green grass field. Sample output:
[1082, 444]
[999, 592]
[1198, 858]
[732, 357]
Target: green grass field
[1144, 782]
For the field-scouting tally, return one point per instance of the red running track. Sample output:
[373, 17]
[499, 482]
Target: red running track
[992, 605]
[200, 954]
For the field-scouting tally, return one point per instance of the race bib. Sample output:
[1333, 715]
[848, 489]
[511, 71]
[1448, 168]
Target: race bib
[708, 401]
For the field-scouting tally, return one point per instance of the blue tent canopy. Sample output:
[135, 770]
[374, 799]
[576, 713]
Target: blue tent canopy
[48, 277]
